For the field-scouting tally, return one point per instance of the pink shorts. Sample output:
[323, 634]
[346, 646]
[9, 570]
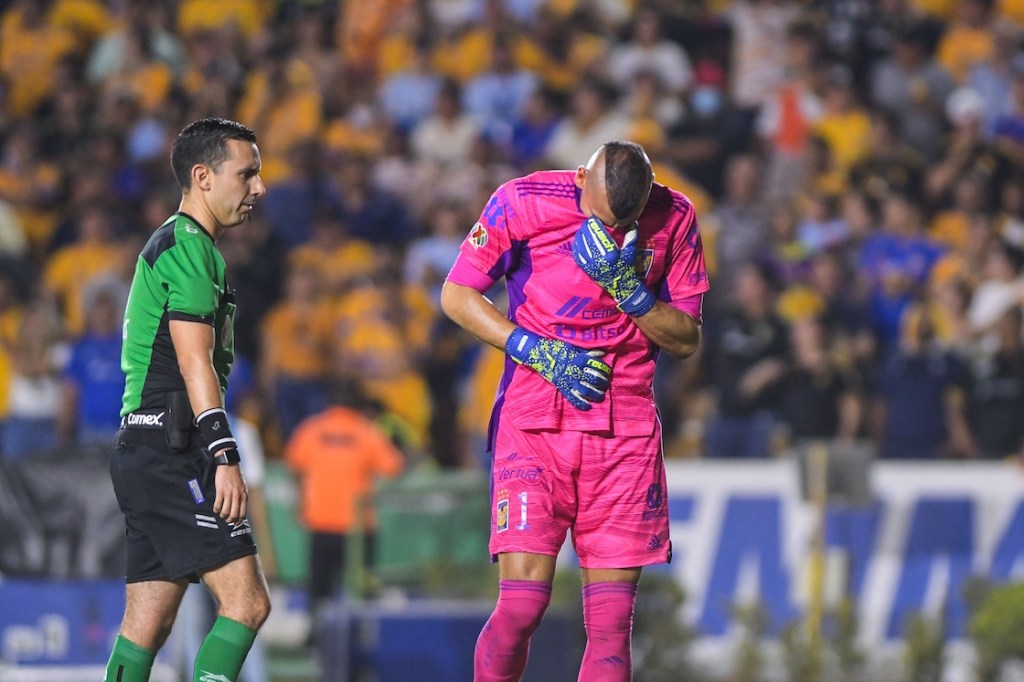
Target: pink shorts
[610, 490]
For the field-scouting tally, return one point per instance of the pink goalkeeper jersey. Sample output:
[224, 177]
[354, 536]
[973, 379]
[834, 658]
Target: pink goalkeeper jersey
[525, 234]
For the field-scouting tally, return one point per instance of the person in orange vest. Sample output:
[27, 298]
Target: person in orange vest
[338, 454]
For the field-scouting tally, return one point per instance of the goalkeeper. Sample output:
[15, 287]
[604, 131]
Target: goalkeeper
[603, 268]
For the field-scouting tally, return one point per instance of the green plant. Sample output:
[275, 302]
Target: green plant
[802, 653]
[661, 639]
[849, 657]
[997, 629]
[753, 621]
[925, 650]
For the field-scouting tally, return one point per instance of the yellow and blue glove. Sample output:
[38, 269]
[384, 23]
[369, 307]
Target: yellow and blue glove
[580, 375]
[613, 268]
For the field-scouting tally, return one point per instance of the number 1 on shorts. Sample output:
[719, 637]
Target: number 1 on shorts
[522, 513]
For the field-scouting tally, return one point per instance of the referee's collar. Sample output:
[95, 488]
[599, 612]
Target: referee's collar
[196, 223]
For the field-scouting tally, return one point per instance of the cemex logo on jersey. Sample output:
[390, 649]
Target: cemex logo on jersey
[135, 419]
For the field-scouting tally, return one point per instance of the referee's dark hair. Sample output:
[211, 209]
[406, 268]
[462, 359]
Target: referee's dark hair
[205, 141]
[627, 177]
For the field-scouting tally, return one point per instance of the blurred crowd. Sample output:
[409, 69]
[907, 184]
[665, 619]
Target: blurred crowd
[857, 166]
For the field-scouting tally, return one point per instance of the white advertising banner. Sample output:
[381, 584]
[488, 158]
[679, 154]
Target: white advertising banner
[742, 532]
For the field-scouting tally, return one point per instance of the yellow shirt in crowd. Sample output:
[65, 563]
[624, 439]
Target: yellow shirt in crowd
[69, 271]
[28, 56]
[10, 322]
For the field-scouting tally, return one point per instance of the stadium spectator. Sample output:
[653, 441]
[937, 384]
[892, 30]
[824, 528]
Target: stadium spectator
[368, 212]
[338, 261]
[915, 86]
[257, 266]
[709, 132]
[430, 257]
[30, 184]
[739, 221]
[997, 390]
[296, 349]
[647, 51]
[33, 397]
[790, 113]
[968, 152]
[338, 455]
[919, 397]
[1001, 287]
[1008, 126]
[532, 132]
[968, 39]
[785, 255]
[889, 164]
[895, 265]
[759, 49]
[305, 192]
[992, 78]
[446, 137]
[382, 334]
[822, 399]
[10, 323]
[143, 21]
[93, 255]
[409, 96]
[497, 96]
[748, 356]
[92, 382]
[30, 47]
[571, 45]
[280, 96]
[591, 122]
[952, 227]
[844, 124]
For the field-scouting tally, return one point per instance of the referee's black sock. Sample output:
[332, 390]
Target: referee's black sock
[129, 662]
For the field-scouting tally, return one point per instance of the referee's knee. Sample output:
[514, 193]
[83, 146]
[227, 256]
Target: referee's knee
[251, 612]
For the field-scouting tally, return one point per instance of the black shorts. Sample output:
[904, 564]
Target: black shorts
[167, 499]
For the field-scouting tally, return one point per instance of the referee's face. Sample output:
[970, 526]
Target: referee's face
[236, 185]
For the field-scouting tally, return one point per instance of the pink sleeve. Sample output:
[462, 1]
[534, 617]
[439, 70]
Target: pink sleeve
[487, 253]
[686, 278]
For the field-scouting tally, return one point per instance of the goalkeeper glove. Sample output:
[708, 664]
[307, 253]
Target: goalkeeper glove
[611, 267]
[578, 374]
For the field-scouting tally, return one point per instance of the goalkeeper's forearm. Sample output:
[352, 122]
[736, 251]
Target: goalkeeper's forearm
[475, 313]
[672, 330]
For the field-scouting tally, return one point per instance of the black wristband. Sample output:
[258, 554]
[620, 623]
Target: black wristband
[226, 457]
[214, 430]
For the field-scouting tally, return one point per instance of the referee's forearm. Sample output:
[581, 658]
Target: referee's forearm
[202, 387]
[193, 344]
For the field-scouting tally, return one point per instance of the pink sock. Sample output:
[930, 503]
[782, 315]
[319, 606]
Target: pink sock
[504, 643]
[608, 619]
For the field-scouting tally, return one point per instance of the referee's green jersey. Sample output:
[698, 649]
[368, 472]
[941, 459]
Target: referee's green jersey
[179, 276]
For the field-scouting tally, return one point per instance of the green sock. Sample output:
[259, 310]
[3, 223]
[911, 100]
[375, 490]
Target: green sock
[129, 662]
[223, 651]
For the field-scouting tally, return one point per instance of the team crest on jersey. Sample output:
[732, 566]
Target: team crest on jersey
[644, 261]
[501, 512]
[478, 236]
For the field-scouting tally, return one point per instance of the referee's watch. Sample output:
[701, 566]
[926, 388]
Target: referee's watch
[226, 457]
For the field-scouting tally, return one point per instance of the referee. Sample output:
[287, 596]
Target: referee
[174, 463]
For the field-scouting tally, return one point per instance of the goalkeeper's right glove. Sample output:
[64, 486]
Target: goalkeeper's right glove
[578, 374]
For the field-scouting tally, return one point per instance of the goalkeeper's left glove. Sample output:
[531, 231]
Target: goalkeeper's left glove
[578, 374]
[613, 268]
